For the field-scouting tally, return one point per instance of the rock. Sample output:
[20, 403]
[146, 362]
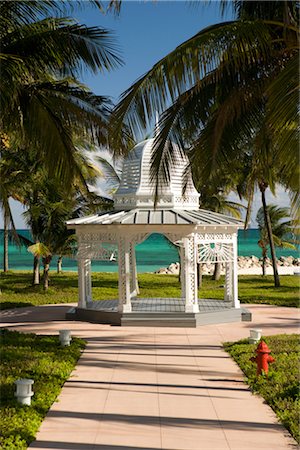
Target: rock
[174, 268]
[162, 271]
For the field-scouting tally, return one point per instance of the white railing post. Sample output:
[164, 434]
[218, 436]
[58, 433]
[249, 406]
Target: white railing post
[236, 301]
[124, 275]
[190, 274]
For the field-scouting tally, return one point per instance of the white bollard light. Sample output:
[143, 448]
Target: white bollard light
[255, 336]
[65, 337]
[24, 391]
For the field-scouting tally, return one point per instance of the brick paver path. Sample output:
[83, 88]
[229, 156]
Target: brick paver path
[157, 388]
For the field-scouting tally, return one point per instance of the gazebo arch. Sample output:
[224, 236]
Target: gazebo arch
[202, 236]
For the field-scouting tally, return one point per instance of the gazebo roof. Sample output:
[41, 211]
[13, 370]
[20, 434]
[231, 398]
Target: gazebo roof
[137, 189]
[138, 216]
[134, 200]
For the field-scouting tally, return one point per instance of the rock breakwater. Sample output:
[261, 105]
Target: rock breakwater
[244, 262]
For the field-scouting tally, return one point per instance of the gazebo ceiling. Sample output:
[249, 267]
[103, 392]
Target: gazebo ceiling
[138, 216]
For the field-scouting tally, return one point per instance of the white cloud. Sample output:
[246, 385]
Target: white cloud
[280, 199]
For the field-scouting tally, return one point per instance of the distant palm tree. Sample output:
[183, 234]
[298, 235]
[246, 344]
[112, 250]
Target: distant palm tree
[281, 229]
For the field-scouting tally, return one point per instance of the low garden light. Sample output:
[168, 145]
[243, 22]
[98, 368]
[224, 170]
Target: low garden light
[65, 337]
[255, 336]
[24, 391]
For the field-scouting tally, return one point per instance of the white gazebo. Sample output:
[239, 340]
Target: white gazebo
[202, 236]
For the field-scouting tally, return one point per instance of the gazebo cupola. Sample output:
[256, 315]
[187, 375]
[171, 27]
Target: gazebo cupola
[137, 191]
[201, 236]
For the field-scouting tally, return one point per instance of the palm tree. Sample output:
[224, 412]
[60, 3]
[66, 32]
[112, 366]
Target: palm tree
[219, 80]
[281, 228]
[47, 213]
[11, 185]
[41, 101]
[213, 196]
[229, 85]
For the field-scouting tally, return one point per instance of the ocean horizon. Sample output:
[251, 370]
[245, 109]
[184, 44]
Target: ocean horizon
[152, 254]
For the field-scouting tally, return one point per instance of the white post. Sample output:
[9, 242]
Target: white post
[236, 301]
[88, 281]
[124, 275]
[134, 285]
[182, 272]
[81, 284]
[189, 285]
[228, 292]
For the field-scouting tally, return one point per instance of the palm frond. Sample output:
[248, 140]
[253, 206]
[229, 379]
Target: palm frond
[215, 46]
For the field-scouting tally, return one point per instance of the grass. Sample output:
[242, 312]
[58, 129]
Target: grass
[17, 290]
[281, 388]
[48, 364]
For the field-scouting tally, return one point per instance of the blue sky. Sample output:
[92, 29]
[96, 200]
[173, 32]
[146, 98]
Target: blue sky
[145, 31]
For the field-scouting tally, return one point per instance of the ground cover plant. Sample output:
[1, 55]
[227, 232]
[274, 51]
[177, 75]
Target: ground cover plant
[48, 364]
[281, 388]
[16, 289]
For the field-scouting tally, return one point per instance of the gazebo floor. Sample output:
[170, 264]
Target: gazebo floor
[166, 312]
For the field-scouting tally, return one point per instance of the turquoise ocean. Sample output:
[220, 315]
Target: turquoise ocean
[152, 254]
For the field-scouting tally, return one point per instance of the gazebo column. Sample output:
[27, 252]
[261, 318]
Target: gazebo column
[182, 272]
[88, 280]
[189, 281]
[228, 293]
[134, 285]
[124, 275]
[82, 282]
[236, 301]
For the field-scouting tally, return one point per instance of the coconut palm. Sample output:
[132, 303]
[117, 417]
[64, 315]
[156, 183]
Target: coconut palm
[281, 229]
[222, 81]
[11, 185]
[213, 196]
[42, 53]
[231, 85]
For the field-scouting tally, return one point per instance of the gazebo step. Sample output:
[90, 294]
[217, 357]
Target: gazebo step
[159, 322]
[160, 319]
[189, 320]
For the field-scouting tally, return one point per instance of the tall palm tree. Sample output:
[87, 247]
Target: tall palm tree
[223, 80]
[11, 185]
[281, 228]
[218, 88]
[41, 101]
[213, 196]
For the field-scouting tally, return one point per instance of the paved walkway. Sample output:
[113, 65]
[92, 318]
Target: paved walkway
[157, 388]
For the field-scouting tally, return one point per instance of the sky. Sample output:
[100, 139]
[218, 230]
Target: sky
[146, 31]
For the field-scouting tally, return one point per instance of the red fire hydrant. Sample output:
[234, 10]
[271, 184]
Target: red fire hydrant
[263, 358]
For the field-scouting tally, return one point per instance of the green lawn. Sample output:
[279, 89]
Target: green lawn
[281, 388]
[17, 290]
[48, 364]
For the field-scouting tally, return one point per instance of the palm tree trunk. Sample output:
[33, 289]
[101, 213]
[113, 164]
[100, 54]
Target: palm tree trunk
[46, 262]
[264, 256]
[5, 242]
[59, 264]
[36, 271]
[262, 187]
[199, 275]
[217, 271]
